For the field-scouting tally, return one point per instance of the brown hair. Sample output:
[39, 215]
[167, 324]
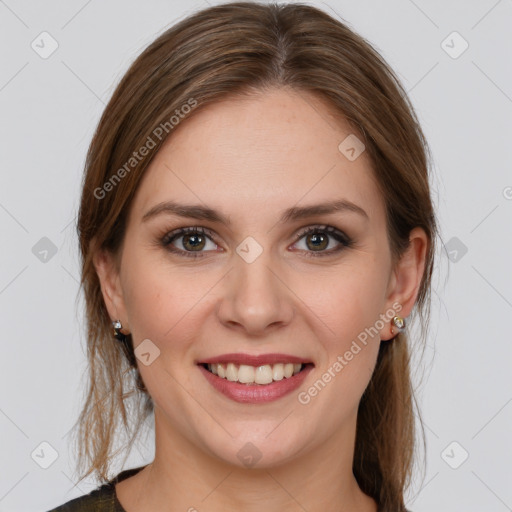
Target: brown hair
[214, 54]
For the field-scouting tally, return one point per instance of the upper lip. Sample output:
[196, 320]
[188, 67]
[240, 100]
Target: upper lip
[254, 360]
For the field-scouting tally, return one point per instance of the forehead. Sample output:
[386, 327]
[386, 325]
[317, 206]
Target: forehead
[259, 153]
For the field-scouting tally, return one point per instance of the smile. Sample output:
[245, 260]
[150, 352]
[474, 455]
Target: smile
[255, 379]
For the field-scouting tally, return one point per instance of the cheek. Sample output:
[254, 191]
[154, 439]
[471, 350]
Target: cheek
[350, 305]
[152, 297]
[351, 310]
[164, 308]
[165, 303]
[347, 300]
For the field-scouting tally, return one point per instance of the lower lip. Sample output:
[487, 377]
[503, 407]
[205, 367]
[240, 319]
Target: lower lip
[256, 393]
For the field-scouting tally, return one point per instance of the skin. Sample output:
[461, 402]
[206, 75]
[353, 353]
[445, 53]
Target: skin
[251, 159]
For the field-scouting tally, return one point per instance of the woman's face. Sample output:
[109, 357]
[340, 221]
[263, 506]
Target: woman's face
[256, 285]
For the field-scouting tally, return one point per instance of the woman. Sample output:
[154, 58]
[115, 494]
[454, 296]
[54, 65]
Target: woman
[257, 230]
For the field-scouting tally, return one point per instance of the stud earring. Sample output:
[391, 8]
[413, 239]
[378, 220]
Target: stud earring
[117, 330]
[399, 323]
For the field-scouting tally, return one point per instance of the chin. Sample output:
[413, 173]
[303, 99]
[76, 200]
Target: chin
[258, 451]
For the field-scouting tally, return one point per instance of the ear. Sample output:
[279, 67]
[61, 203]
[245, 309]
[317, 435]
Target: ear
[107, 268]
[405, 280]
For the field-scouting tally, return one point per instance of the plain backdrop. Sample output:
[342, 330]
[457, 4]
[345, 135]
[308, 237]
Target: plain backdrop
[453, 58]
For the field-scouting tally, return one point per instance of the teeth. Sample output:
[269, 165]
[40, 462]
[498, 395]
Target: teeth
[263, 374]
[278, 372]
[246, 374]
[231, 372]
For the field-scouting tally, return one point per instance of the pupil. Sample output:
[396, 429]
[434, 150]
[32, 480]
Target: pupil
[194, 244]
[317, 239]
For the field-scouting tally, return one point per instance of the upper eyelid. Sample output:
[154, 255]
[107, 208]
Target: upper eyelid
[176, 233]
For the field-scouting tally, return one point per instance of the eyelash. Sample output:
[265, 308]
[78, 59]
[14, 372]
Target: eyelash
[339, 236]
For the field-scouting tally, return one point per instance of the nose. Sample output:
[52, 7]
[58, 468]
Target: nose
[255, 297]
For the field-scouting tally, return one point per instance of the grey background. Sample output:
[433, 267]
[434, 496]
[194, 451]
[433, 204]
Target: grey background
[49, 109]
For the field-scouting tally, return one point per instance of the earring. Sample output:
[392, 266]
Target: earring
[117, 330]
[399, 323]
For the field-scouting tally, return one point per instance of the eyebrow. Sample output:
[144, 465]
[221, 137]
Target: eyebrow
[291, 214]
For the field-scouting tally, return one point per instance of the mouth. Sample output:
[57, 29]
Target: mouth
[255, 379]
[255, 375]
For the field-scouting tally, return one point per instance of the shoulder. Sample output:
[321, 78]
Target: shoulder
[99, 500]
[102, 499]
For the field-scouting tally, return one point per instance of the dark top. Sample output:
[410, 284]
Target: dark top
[102, 499]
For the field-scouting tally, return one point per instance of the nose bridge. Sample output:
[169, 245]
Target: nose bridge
[255, 297]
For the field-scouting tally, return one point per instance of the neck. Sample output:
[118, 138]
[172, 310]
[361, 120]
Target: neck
[183, 477]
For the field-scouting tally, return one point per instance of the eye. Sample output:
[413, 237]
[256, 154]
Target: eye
[317, 240]
[194, 240]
